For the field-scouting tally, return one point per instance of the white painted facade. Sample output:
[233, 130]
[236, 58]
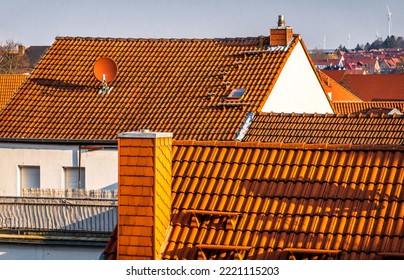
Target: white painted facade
[101, 166]
[297, 89]
[19, 251]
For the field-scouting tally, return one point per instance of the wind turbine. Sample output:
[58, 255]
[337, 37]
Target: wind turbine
[390, 23]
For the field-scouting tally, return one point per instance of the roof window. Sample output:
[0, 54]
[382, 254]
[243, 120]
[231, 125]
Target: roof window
[236, 93]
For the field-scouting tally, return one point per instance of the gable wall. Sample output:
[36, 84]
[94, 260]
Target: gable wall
[297, 89]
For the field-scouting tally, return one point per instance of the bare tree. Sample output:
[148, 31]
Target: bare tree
[12, 58]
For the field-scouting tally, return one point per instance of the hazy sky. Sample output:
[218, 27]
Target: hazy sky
[38, 22]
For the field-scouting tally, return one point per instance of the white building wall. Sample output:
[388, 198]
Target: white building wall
[297, 89]
[101, 166]
[10, 251]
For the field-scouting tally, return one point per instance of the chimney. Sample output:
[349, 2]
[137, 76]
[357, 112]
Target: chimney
[21, 50]
[144, 193]
[281, 35]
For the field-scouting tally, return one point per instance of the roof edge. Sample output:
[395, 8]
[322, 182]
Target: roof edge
[328, 115]
[306, 51]
[291, 146]
[58, 141]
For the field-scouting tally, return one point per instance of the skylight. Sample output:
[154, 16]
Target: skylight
[236, 93]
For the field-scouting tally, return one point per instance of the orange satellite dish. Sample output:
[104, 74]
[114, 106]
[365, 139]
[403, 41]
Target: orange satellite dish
[105, 69]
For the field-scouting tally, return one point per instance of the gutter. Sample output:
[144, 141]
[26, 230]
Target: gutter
[54, 240]
[113, 143]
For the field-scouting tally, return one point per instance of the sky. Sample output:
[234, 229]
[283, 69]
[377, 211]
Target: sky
[321, 23]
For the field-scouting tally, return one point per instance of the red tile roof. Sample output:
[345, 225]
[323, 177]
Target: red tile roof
[336, 75]
[377, 87]
[279, 201]
[176, 85]
[338, 92]
[334, 129]
[327, 198]
[9, 84]
[363, 107]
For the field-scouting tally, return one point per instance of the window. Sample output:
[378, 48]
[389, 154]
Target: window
[75, 178]
[30, 177]
[236, 93]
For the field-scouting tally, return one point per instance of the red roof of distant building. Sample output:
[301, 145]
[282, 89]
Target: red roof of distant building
[375, 87]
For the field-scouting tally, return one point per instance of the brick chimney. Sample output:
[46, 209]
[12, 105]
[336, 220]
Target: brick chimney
[144, 193]
[21, 50]
[281, 35]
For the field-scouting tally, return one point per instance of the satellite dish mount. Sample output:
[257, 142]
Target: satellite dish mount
[104, 86]
[105, 70]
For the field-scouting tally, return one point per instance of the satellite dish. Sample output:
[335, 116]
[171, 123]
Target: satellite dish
[105, 69]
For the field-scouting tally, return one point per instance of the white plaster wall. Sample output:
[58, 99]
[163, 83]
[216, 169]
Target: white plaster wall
[101, 165]
[297, 89]
[9, 251]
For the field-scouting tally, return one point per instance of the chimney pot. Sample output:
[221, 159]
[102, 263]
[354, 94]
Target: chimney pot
[281, 21]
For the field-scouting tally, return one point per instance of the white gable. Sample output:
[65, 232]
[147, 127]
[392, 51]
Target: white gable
[297, 89]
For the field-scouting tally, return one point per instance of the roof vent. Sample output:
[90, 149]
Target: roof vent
[105, 70]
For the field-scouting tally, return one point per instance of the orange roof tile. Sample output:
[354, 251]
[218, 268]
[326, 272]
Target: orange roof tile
[376, 87]
[9, 84]
[336, 75]
[176, 85]
[338, 92]
[334, 129]
[340, 201]
[364, 107]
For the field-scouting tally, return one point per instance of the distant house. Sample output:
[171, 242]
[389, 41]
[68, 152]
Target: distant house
[257, 200]
[364, 65]
[34, 54]
[376, 87]
[386, 87]
[329, 64]
[9, 84]
[60, 129]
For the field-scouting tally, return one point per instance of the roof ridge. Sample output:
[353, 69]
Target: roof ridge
[288, 146]
[151, 39]
[329, 115]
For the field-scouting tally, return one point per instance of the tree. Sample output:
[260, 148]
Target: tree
[342, 48]
[318, 54]
[358, 48]
[400, 42]
[390, 42]
[12, 58]
[378, 44]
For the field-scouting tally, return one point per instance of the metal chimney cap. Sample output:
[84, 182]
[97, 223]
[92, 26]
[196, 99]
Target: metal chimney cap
[145, 133]
[281, 21]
